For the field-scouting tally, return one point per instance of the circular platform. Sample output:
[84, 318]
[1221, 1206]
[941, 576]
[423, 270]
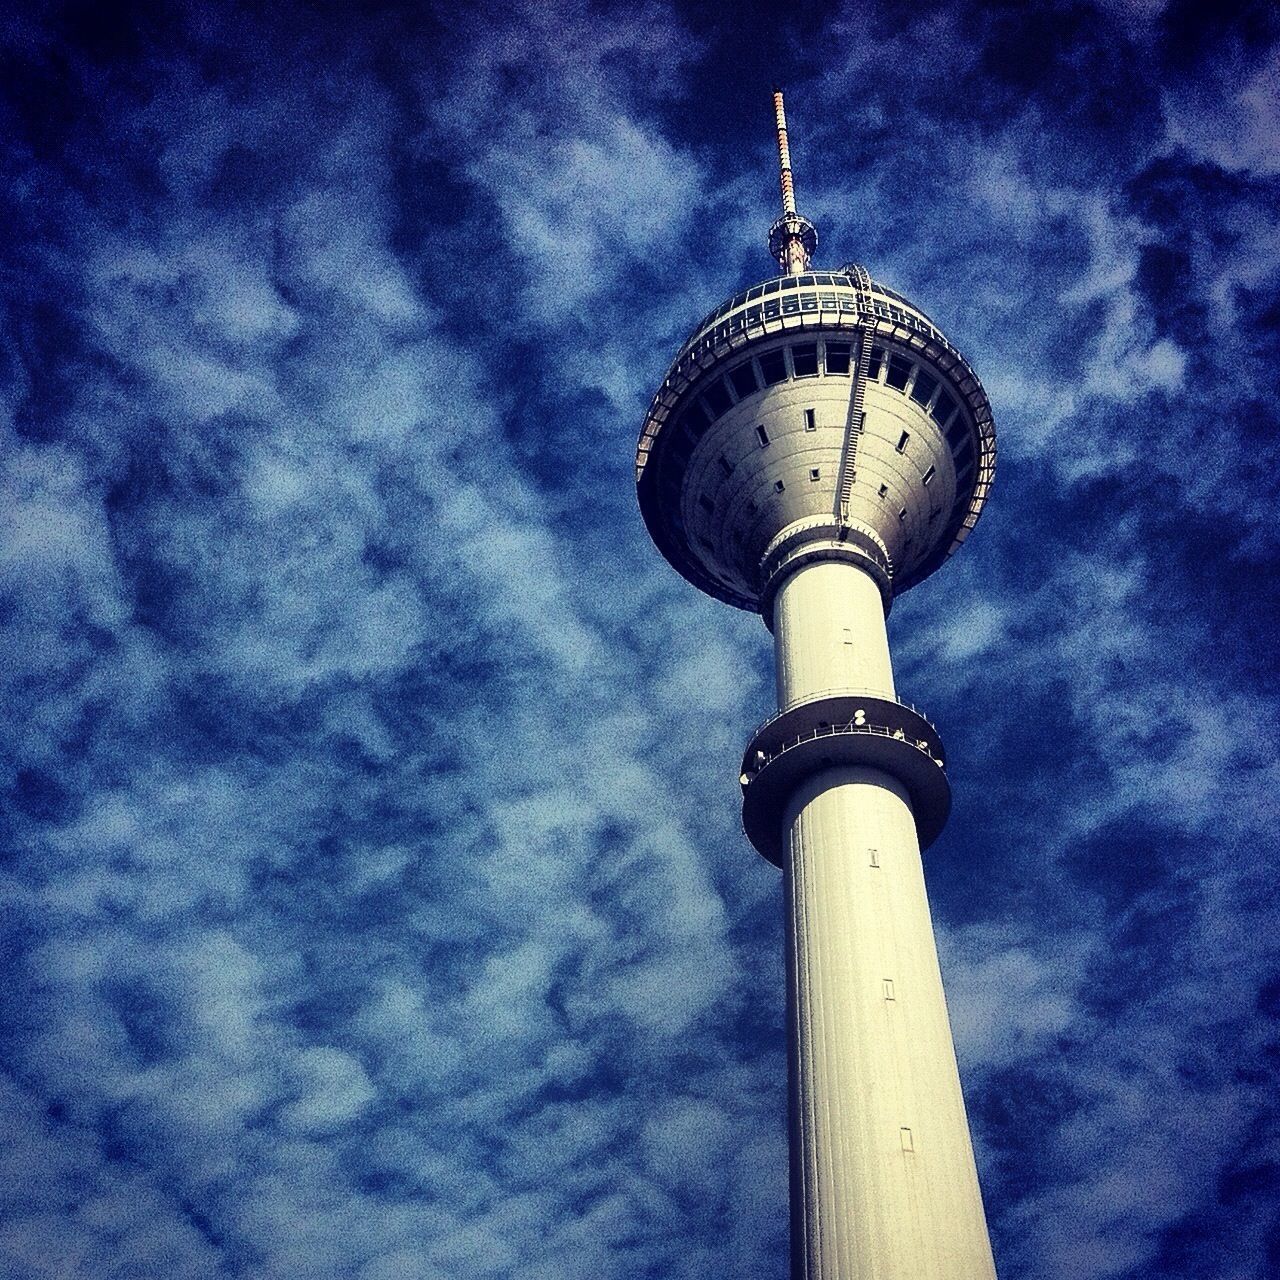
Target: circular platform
[836, 730]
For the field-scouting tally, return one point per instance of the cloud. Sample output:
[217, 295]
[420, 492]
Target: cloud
[376, 899]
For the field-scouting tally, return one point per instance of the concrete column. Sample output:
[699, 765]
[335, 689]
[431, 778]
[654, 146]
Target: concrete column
[829, 633]
[883, 1179]
[883, 1182]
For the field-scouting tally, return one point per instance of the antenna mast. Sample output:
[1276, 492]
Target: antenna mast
[793, 238]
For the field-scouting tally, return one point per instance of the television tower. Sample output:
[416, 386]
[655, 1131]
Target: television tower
[816, 448]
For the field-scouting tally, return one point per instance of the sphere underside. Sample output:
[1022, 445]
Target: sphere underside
[810, 416]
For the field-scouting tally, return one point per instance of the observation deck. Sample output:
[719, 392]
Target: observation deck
[850, 385]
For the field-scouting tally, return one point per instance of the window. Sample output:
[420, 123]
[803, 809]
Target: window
[944, 408]
[899, 372]
[772, 307]
[717, 397]
[838, 357]
[815, 473]
[810, 420]
[706, 504]
[848, 634]
[790, 304]
[808, 302]
[743, 379]
[901, 446]
[804, 280]
[875, 857]
[964, 454]
[902, 515]
[928, 475]
[957, 433]
[884, 491]
[773, 286]
[924, 387]
[888, 989]
[725, 465]
[804, 360]
[763, 436]
[773, 368]
[908, 1142]
[877, 359]
[696, 421]
[778, 486]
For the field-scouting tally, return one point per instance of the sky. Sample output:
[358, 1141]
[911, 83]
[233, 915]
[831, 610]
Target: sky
[374, 902]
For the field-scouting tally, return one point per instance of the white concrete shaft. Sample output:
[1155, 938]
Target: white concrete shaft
[829, 633]
[883, 1182]
[883, 1179]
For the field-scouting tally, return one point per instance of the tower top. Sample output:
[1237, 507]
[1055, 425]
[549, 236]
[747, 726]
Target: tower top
[793, 238]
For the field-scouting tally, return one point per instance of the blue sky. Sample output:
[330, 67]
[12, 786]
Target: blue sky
[374, 900]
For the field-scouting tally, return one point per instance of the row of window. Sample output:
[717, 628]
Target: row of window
[804, 360]
[788, 296]
[782, 284]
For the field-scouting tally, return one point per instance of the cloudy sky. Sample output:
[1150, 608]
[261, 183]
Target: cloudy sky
[374, 902]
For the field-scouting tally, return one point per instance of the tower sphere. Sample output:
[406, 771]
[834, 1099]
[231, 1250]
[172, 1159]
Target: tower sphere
[814, 416]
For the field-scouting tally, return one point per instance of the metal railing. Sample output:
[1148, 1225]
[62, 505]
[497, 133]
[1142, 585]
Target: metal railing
[836, 731]
[842, 691]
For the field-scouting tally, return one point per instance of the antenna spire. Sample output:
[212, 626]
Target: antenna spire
[793, 238]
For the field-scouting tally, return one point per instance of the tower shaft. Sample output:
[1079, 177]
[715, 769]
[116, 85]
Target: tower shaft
[883, 1183]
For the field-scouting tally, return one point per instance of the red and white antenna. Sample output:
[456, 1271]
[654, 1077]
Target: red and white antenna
[793, 238]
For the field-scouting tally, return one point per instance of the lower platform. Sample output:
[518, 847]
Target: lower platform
[842, 729]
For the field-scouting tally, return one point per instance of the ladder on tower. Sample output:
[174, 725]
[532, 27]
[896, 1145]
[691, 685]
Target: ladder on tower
[848, 472]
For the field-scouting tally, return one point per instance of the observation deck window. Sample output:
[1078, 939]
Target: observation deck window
[773, 368]
[791, 282]
[717, 398]
[754, 293]
[943, 409]
[743, 379]
[696, 421]
[804, 359]
[772, 308]
[772, 286]
[877, 360]
[791, 304]
[899, 372]
[808, 302]
[805, 280]
[838, 357]
[924, 386]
